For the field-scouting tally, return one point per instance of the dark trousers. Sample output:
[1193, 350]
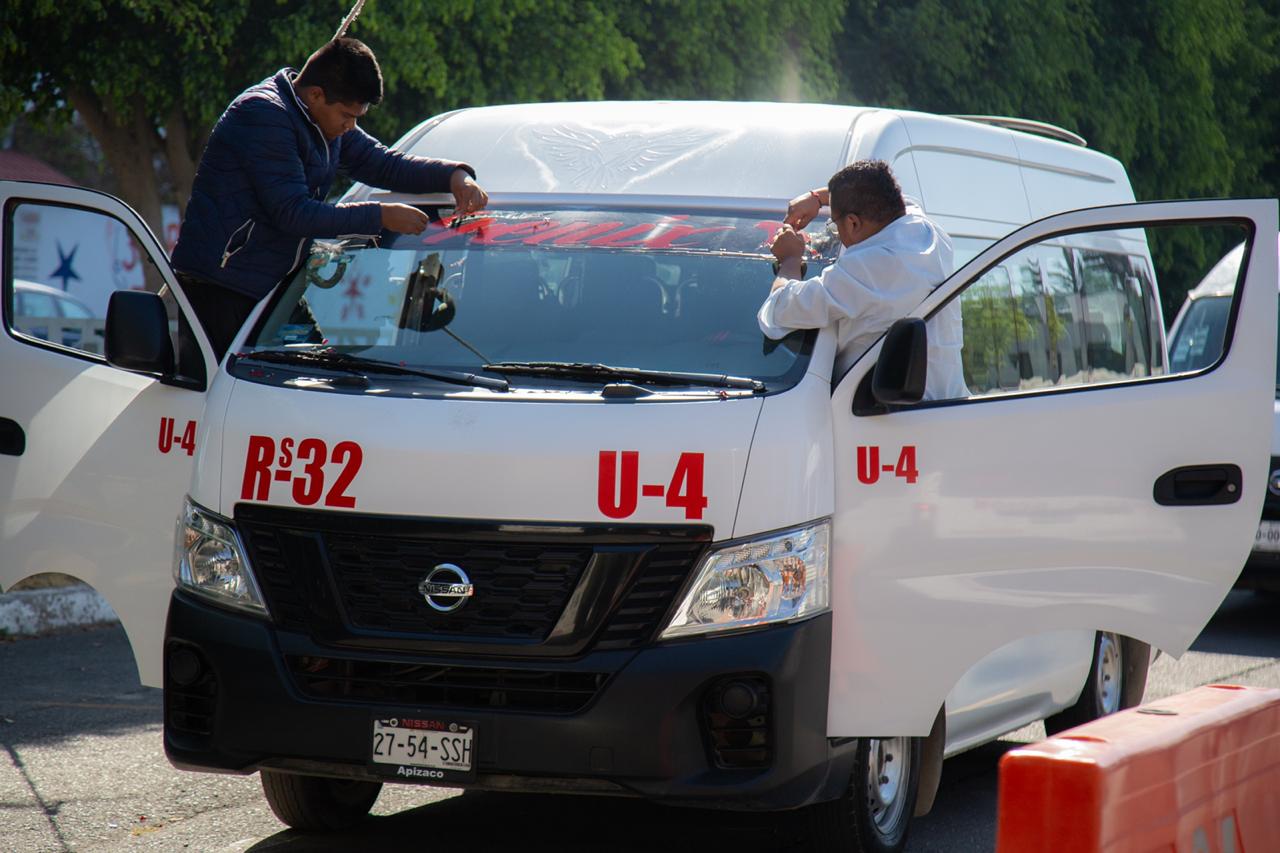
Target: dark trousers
[221, 312]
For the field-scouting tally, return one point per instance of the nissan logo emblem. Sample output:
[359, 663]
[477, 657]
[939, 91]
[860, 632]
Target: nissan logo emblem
[1273, 485]
[447, 588]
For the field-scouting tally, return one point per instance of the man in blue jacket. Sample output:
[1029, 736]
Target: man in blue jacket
[258, 196]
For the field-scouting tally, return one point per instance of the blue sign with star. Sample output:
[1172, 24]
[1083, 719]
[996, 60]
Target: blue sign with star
[64, 270]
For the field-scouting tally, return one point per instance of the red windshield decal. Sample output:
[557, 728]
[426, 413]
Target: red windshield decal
[668, 232]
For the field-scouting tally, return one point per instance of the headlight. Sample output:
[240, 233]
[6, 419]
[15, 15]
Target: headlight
[208, 560]
[775, 578]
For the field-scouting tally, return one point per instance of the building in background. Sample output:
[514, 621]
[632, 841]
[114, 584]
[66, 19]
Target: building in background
[85, 256]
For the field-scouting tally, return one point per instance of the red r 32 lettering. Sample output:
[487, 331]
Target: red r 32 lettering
[301, 465]
[620, 490]
[869, 467]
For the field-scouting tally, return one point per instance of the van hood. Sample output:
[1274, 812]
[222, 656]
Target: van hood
[657, 461]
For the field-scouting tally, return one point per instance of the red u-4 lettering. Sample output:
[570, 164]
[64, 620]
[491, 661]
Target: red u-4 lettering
[619, 490]
[869, 467]
[169, 438]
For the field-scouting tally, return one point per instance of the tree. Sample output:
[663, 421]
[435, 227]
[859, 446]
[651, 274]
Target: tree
[1180, 91]
[150, 77]
[732, 49]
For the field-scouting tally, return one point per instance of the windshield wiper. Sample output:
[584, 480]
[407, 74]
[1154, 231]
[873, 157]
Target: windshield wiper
[344, 361]
[589, 370]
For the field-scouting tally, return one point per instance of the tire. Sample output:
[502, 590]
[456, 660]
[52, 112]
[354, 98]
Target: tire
[1117, 679]
[316, 802]
[875, 812]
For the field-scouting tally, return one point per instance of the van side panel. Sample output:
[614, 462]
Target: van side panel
[1061, 177]
[967, 170]
[1019, 683]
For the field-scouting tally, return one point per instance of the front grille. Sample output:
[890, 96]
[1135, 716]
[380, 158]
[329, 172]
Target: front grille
[523, 587]
[348, 579]
[462, 687]
[636, 619]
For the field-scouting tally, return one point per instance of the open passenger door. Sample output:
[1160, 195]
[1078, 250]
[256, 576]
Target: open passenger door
[1075, 485]
[94, 460]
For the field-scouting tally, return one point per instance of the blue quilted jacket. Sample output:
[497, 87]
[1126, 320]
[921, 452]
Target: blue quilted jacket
[258, 196]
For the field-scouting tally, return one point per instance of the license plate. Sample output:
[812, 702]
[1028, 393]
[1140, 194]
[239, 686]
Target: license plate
[420, 750]
[1267, 537]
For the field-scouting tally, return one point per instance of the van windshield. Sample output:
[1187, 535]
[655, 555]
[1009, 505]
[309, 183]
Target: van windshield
[645, 290]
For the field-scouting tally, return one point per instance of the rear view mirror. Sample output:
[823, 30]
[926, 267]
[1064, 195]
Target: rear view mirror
[899, 375]
[137, 333]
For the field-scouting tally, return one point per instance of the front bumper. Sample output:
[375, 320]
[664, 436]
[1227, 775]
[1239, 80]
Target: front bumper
[644, 733]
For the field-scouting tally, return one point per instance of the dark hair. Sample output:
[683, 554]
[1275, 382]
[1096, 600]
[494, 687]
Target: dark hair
[868, 189]
[346, 71]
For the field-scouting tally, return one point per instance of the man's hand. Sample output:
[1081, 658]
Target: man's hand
[467, 195]
[787, 243]
[403, 219]
[788, 247]
[803, 208]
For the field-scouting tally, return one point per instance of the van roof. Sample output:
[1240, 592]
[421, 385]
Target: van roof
[746, 153]
[659, 148]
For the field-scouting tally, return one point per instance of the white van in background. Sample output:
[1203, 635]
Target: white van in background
[1195, 342]
[527, 502]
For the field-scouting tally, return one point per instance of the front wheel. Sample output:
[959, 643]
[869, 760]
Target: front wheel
[1117, 679]
[875, 812]
[317, 802]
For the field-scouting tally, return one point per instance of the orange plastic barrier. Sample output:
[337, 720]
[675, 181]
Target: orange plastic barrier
[1195, 773]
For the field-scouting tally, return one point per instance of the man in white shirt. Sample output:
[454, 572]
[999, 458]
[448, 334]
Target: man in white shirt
[893, 257]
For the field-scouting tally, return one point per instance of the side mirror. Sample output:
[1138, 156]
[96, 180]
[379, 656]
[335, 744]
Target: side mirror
[899, 376]
[137, 333]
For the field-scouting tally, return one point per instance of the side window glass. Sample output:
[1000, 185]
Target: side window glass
[1198, 334]
[990, 324]
[1119, 334]
[1085, 309]
[1064, 328]
[63, 265]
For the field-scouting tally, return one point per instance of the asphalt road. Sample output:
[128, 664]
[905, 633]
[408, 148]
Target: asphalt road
[82, 768]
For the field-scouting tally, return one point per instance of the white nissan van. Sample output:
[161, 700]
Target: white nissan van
[528, 502]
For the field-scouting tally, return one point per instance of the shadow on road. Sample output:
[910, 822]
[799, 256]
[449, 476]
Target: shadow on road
[1246, 624]
[531, 823]
[963, 819]
[62, 686]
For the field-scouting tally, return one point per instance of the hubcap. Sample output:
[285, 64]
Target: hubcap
[1109, 667]
[888, 772]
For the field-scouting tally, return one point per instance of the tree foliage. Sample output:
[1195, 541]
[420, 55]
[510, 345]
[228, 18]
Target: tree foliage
[1180, 91]
[732, 49]
[150, 77]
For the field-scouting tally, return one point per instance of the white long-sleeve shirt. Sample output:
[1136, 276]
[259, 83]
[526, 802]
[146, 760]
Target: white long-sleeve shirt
[870, 285]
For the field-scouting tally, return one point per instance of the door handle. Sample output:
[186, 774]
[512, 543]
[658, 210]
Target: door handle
[1199, 485]
[13, 441]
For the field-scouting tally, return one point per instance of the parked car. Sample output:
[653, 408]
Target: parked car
[43, 311]
[1195, 343]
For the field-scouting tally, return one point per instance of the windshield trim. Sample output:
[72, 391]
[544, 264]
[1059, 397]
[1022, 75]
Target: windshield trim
[699, 205]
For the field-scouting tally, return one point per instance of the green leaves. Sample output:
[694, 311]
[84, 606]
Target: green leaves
[1181, 91]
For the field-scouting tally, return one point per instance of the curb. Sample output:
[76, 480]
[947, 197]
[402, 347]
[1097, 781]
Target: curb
[39, 611]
